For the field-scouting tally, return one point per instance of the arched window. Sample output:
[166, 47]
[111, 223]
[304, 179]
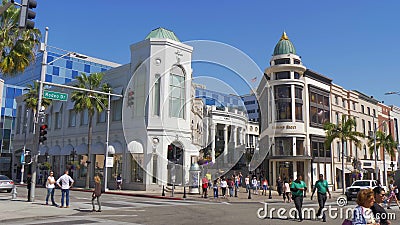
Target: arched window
[177, 92]
[365, 152]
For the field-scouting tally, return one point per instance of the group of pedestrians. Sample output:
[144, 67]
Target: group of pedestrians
[65, 182]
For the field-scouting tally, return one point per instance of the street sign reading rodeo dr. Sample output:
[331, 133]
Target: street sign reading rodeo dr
[55, 95]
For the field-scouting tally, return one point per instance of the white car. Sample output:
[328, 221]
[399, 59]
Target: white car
[352, 191]
[6, 183]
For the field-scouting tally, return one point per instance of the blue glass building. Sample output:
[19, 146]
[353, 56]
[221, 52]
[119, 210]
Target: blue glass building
[61, 69]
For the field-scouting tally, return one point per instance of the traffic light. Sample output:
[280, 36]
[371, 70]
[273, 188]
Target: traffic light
[42, 134]
[26, 16]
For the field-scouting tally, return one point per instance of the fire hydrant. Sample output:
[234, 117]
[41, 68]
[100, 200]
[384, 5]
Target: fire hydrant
[14, 193]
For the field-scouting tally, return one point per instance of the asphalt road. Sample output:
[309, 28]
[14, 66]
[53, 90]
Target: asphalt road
[134, 210]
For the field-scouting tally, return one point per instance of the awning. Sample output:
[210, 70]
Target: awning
[55, 150]
[43, 149]
[81, 149]
[117, 90]
[135, 147]
[97, 149]
[67, 150]
[115, 148]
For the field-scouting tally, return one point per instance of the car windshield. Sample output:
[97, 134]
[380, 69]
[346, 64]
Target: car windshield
[2, 177]
[361, 183]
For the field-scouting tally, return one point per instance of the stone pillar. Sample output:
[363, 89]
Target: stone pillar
[295, 170]
[234, 135]
[274, 172]
[225, 143]
[309, 174]
[212, 137]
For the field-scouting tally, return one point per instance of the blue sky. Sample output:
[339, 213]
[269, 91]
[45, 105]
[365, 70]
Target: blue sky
[353, 42]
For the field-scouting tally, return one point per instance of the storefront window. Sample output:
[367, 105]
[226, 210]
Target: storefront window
[82, 167]
[99, 165]
[117, 168]
[283, 103]
[136, 170]
[284, 146]
[300, 146]
[319, 107]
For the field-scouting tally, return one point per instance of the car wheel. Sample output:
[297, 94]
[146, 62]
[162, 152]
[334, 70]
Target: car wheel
[9, 190]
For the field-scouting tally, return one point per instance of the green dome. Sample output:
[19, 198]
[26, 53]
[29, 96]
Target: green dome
[162, 33]
[284, 46]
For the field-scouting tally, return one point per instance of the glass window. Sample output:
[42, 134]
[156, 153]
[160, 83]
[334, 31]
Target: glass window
[363, 126]
[58, 120]
[117, 110]
[177, 93]
[19, 121]
[84, 117]
[339, 153]
[101, 116]
[368, 111]
[314, 148]
[117, 168]
[299, 111]
[319, 107]
[56, 70]
[336, 100]
[82, 167]
[362, 109]
[136, 170]
[284, 146]
[374, 112]
[282, 61]
[99, 165]
[282, 75]
[296, 75]
[296, 61]
[87, 68]
[344, 103]
[300, 146]
[157, 96]
[72, 118]
[69, 64]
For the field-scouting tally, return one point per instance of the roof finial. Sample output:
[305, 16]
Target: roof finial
[284, 36]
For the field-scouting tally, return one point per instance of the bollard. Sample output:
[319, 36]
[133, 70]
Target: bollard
[163, 191]
[270, 195]
[14, 193]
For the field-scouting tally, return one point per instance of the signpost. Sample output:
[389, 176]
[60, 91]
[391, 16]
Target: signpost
[55, 95]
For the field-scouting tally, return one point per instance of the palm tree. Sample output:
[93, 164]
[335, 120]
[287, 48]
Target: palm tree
[90, 101]
[17, 46]
[387, 143]
[31, 99]
[344, 131]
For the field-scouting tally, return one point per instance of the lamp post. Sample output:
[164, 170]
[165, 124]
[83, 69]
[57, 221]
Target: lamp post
[392, 165]
[24, 148]
[72, 156]
[108, 108]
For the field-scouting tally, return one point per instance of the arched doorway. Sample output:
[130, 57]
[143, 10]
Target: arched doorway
[175, 162]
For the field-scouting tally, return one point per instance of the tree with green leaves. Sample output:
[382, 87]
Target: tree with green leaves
[344, 131]
[388, 144]
[18, 47]
[31, 98]
[90, 102]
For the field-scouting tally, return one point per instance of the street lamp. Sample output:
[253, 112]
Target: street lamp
[107, 134]
[392, 165]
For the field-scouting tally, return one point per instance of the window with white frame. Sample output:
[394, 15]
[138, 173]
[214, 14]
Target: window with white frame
[72, 118]
[177, 93]
[117, 110]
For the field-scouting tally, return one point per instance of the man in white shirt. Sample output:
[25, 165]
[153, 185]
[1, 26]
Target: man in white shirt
[66, 184]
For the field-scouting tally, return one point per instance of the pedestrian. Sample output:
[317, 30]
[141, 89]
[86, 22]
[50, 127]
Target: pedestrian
[204, 185]
[264, 186]
[298, 187]
[40, 182]
[279, 185]
[240, 179]
[96, 193]
[363, 214]
[247, 183]
[237, 182]
[377, 209]
[392, 195]
[66, 183]
[286, 190]
[231, 185]
[322, 186]
[254, 185]
[50, 186]
[215, 188]
[119, 182]
[223, 185]
[29, 185]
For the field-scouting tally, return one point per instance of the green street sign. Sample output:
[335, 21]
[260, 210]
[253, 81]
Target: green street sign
[55, 95]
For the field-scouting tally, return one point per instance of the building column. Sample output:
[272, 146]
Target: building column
[233, 135]
[225, 143]
[294, 170]
[212, 137]
[309, 174]
[274, 172]
[240, 135]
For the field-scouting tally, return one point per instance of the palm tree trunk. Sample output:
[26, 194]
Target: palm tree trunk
[384, 168]
[343, 173]
[89, 166]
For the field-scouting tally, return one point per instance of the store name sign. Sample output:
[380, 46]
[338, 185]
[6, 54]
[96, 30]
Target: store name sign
[288, 127]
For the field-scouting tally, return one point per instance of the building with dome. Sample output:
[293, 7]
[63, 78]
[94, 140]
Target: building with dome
[296, 102]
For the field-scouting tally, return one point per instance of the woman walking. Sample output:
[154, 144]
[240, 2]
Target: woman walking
[96, 193]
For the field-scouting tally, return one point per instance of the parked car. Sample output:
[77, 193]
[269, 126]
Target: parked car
[6, 183]
[352, 191]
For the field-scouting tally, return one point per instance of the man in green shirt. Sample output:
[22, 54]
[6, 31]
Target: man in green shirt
[322, 186]
[298, 187]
